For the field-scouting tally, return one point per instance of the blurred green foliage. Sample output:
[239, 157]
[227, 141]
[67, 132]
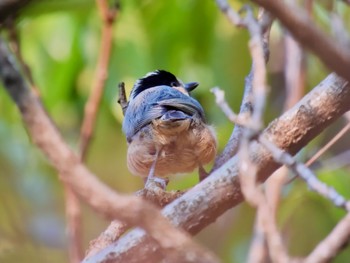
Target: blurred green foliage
[60, 42]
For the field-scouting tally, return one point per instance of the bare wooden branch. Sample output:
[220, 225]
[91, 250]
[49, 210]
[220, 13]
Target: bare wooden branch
[306, 174]
[340, 134]
[74, 225]
[108, 17]
[122, 100]
[265, 21]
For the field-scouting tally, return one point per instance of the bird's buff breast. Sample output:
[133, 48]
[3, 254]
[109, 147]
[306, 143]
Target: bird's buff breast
[182, 148]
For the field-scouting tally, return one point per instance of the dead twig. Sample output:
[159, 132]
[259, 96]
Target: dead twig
[122, 100]
[108, 16]
[306, 174]
[265, 21]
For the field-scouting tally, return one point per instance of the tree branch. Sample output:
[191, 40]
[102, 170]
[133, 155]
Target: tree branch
[206, 201]
[108, 17]
[264, 21]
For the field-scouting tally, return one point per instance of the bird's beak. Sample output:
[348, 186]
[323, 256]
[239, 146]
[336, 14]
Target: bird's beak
[191, 86]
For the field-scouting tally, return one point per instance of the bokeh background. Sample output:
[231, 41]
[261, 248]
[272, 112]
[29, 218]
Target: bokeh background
[192, 39]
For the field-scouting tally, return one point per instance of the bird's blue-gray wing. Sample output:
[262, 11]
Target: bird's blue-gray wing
[153, 104]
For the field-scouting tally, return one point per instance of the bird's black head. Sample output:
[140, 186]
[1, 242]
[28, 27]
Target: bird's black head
[159, 78]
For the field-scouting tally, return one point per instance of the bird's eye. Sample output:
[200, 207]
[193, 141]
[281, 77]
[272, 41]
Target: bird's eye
[173, 84]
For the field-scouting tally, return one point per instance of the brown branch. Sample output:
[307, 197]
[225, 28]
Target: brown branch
[330, 52]
[116, 228]
[339, 237]
[108, 17]
[122, 100]
[306, 174]
[174, 243]
[265, 21]
[340, 134]
[294, 75]
[266, 229]
[74, 225]
[209, 199]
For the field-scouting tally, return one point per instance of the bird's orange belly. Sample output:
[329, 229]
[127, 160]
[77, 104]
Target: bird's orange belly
[180, 152]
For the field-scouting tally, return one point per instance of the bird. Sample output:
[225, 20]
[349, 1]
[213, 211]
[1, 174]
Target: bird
[166, 129]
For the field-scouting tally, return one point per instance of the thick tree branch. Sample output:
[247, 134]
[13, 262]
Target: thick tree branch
[220, 191]
[175, 245]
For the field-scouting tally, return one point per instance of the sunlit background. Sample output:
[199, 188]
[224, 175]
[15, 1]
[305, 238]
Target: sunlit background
[192, 39]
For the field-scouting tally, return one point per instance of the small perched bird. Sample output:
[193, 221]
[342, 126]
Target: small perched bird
[166, 128]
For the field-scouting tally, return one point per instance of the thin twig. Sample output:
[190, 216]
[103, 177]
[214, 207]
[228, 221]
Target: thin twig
[230, 13]
[265, 221]
[265, 20]
[240, 119]
[108, 17]
[321, 151]
[74, 224]
[122, 100]
[306, 174]
[294, 75]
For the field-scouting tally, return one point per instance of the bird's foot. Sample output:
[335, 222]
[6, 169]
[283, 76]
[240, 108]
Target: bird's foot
[156, 182]
[202, 174]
